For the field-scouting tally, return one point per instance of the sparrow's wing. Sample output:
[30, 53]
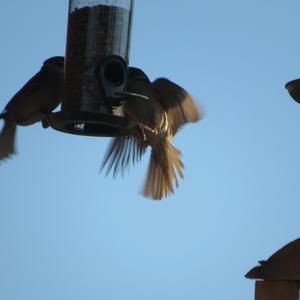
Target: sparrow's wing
[179, 105]
[122, 152]
[141, 111]
[32, 85]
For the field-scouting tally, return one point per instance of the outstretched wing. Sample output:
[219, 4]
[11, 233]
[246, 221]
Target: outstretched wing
[178, 103]
[122, 152]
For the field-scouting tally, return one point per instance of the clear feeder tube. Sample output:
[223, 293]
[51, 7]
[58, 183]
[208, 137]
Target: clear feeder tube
[96, 29]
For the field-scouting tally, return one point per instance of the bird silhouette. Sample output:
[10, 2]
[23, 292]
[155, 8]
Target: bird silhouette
[159, 108]
[32, 103]
[293, 88]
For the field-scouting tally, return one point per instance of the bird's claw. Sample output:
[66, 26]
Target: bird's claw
[142, 131]
[46, 121]
[142, 128]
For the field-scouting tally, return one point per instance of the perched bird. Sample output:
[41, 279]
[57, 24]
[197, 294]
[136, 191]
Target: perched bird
[282, 265]
[32, 103]
[293, 88]
[159, 109]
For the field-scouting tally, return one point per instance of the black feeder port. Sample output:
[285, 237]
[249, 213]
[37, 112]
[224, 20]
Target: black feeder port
[96, 69]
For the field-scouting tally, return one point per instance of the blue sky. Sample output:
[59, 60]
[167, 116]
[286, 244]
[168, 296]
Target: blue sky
[68, 232]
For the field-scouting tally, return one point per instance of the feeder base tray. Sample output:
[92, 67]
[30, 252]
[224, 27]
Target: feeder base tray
[91, 124]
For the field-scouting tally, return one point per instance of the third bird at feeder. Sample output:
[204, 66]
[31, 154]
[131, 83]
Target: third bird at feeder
[163, 108]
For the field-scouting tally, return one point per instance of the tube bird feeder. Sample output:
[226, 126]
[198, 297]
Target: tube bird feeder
[96, 68]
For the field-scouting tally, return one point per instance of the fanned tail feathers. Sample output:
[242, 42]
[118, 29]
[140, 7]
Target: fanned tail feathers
[164, 166]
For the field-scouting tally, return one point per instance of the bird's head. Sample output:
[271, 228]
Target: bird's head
[293, 88]
[53, 68]
[137, 74]
[55, 61]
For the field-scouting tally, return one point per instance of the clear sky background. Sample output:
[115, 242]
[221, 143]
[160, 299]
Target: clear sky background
[68, 232]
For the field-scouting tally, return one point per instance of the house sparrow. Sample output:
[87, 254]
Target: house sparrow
[293, 88]
[159, 109]
[32, 103]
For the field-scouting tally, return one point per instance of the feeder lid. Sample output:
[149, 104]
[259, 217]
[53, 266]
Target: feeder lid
[284, 264]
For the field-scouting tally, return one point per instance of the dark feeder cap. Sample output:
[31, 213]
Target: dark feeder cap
[283, 265]
[293, 88]
[111, 74]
